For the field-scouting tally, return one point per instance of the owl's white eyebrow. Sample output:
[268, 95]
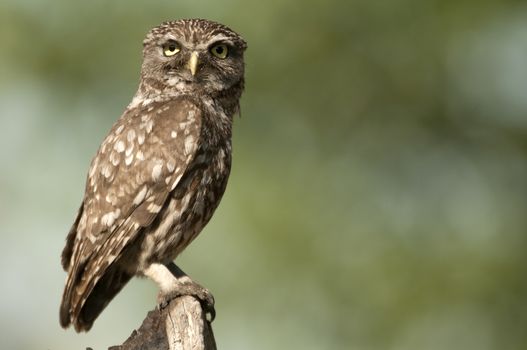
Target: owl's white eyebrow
[170, 37]
[222, 38]
[215, 39]
[219, 37]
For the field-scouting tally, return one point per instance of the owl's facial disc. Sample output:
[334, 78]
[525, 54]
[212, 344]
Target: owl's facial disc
[206, 61]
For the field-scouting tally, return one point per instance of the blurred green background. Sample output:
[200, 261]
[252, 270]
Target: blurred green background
[379, 190]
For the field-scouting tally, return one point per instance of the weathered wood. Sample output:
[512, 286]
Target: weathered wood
[181, 325]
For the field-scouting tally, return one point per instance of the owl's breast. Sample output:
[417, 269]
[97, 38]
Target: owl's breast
[211, 178]
[206, 188]
[190, 206]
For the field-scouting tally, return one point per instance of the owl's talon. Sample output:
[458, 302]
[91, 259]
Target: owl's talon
[203, 295]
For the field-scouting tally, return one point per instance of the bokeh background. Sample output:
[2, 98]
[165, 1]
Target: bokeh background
[379, 190]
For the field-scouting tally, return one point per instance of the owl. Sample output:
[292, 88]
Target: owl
[160, 173]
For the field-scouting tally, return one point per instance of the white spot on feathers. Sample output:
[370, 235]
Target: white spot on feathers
[140, 196]
[108, 219]
[129, 159]
[131, 135]
[183, 126]
[119, 129]
[106, 171]
[114, 158]
[119, 146]
[173, 134]
[129, 149]
[156, 171]
[92, 238]
[149, 125]
[92, 170]
[110, 198]
[171, 165]
[153, 208]
[141, 137]
[189, 143]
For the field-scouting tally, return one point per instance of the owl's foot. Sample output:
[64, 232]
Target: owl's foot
[191, 288]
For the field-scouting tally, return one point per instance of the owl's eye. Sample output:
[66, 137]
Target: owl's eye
[220, 50]
[170, 48]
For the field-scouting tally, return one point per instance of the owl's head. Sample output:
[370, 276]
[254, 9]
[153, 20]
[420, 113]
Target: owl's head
[193, 55]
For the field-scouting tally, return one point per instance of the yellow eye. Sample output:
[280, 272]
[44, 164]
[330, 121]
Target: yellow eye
[220, 50]
[170, 48]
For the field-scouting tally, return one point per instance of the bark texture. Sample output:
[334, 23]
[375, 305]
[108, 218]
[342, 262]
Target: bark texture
[182, 325]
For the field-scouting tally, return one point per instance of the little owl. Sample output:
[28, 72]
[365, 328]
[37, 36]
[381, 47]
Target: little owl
[160, 173]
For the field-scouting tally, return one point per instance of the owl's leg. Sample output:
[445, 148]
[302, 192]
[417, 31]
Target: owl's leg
[173, 283]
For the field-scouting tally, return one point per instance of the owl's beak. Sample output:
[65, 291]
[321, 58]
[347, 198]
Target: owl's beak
[193, 63]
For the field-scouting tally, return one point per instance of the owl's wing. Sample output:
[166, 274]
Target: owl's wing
[139, 163]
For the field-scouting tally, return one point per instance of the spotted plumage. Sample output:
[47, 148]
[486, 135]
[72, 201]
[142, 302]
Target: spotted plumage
[161, 171]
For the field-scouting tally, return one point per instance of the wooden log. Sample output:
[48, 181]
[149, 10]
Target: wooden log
[181, 325]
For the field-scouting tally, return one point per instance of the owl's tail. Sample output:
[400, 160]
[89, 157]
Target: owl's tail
[81, 310]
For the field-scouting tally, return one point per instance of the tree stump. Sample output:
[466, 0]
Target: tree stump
[181, 325]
